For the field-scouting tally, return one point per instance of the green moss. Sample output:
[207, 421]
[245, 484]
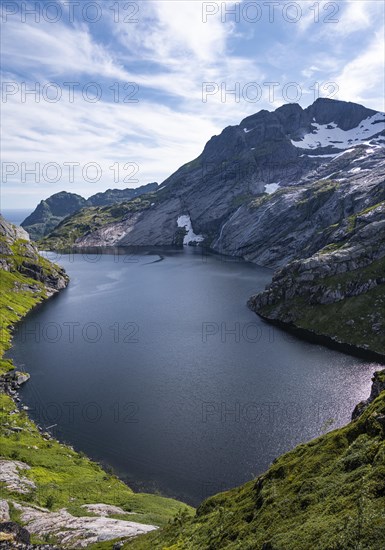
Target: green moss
[91, 219]
[350, 320]
[352, 220]
[331, 247]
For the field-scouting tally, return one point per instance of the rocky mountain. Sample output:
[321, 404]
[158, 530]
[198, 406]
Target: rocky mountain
[301, 190]
[50, 212]
[216, 196]
[113, 196]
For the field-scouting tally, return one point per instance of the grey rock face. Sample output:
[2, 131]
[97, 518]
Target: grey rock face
[11, 232]
[4, 511]
[378, 386]
[156, 225]
[78, 532]
[224, 189]
[11, 475]
[296, 221]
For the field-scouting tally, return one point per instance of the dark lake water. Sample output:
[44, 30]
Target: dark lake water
[155, 366]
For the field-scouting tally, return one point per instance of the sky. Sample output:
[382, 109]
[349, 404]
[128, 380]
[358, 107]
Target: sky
[105, 94]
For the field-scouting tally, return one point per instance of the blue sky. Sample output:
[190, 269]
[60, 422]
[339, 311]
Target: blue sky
[142, 88]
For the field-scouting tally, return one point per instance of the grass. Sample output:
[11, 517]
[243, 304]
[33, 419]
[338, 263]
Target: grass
[327, 494]
[19, 293]
[334, 320]
[91, 219]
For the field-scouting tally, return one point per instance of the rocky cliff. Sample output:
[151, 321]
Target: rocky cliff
[20, 257]
[336, 295]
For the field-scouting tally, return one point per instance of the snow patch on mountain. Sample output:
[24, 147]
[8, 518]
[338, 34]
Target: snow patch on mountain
[330, 134]
[271, 188]
[190, 237]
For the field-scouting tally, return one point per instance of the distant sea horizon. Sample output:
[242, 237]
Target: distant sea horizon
[16, 215]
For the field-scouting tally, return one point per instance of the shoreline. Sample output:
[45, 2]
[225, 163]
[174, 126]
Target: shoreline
[324, 340]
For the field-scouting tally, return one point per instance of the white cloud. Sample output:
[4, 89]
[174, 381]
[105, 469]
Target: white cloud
[331, 19]
[362, 79]
[170, 53]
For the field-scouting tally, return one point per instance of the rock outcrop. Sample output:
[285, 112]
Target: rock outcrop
[11, 475]
[20, 256]
[338, 293]
[378, 386]
[77, 532]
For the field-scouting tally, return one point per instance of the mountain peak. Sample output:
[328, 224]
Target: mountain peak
[345, 114]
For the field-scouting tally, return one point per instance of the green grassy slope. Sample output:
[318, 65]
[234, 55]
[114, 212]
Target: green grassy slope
[90, 219]
[328, 494]
[19, 292]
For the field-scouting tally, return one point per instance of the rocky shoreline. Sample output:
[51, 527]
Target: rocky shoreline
[327, 341]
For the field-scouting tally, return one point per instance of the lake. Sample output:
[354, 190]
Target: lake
[152, 363]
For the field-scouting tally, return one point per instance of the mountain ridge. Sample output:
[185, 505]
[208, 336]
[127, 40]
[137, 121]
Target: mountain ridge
[51, 211]
[234, 169]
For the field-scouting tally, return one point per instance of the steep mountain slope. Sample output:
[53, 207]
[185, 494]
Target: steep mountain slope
[298, 220]
[339, 292]
[217, 192]
[50, 212]
[328, 494]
